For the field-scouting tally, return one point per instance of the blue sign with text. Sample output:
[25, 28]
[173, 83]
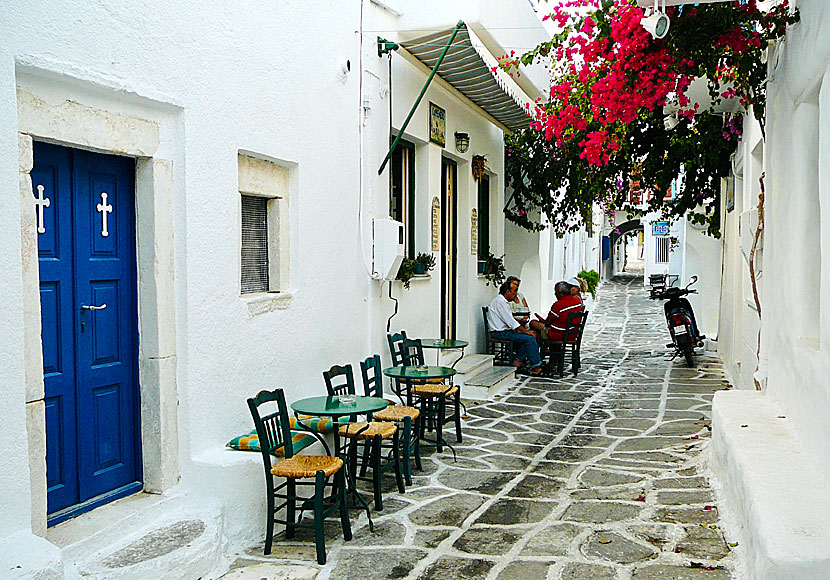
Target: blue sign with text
[660, 228]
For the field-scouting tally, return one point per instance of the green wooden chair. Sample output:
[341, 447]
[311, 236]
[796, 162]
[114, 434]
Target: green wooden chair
[371, 435]
[273, 432]
[434, 397]
[557, 350]
[407, 418]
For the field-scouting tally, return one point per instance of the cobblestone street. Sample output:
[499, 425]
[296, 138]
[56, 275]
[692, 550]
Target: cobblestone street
[598, 477]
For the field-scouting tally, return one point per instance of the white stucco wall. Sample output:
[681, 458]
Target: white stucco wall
[419, 308]
[251, 78]
[796, 241]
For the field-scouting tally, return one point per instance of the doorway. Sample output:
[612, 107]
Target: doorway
[449, 266]
[85, 215]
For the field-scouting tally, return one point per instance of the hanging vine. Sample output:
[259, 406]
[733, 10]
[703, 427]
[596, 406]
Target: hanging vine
[604, 126]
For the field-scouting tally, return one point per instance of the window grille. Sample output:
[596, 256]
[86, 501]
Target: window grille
[662, 249]
[254, 244]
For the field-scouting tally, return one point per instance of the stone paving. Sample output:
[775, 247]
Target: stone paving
[596, 477]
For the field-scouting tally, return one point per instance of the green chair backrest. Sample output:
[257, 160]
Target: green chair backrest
[372, 377]
[395, 347]
[339, 380]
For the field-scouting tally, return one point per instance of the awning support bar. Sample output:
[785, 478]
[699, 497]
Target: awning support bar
[421, 96]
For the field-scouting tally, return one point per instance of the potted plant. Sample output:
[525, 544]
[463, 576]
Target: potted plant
[494, 269]
[405, 272]
[591, 279]
[424, 263]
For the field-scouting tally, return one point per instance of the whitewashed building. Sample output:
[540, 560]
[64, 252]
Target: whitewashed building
[770, 446]
[187, 208]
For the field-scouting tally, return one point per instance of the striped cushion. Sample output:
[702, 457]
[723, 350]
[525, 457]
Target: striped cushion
[250, 442]
[318, 424]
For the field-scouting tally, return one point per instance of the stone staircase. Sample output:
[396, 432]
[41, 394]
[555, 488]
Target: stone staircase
[479, 379]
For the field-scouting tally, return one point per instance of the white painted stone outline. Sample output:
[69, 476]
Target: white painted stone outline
[74, 124]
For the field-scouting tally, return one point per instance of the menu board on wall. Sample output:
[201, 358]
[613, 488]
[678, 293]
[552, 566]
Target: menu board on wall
[474, 233]
[436, 224]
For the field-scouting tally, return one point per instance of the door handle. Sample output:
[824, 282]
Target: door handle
[87, 307]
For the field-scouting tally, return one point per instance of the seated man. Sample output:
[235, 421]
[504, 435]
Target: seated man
[553, 327]
[503, 325]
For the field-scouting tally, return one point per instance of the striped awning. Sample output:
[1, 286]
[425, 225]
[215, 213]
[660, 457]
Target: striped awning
[468, 67]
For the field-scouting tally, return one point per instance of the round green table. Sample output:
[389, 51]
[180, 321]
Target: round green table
[408, 374]
[332, 406]
[441, 344]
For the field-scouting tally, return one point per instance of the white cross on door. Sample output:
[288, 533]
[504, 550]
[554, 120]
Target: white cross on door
[40, 203]
[104, 208]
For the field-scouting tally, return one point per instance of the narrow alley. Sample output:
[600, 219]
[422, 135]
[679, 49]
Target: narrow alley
[597, 477]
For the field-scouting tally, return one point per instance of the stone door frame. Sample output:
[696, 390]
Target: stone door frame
[68, 122]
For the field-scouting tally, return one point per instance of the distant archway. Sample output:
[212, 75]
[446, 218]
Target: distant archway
[619, 233]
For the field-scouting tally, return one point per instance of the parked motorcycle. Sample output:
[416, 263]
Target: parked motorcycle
[680, 319]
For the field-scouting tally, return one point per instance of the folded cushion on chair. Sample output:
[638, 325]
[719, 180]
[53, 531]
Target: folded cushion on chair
[318, 424]
[250, 442]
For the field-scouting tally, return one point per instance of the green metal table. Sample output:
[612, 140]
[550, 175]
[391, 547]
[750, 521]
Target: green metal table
[406, 375]
[332, 406]
[442, 344]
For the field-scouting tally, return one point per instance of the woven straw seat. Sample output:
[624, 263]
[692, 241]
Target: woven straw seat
[307, 466]
[434, 390]
[396, 413]
[384, 429]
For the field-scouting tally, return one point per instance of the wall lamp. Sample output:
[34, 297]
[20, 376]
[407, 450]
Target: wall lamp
[657, 23]
[462, 142]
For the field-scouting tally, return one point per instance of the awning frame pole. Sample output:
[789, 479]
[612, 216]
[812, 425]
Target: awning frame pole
[421, 96]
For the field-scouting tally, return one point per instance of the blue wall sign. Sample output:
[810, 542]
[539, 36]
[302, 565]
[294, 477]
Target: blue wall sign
[660, 228]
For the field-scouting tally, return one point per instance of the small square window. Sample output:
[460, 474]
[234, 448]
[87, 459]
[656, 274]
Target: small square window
[254, 244]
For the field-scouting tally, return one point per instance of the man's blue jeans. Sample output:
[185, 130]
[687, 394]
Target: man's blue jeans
[527, 349]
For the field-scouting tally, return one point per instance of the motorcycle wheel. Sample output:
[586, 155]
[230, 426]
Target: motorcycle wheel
[687, 353]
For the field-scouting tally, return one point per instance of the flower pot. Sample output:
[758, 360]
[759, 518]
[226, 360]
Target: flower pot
[419, 269]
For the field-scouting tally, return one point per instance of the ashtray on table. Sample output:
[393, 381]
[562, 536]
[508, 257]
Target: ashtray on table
[421, 368]
[346, 399]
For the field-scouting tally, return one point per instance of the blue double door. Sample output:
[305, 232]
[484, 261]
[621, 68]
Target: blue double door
[85, 211]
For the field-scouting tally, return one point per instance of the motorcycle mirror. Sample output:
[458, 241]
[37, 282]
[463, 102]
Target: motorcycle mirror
[692, 280]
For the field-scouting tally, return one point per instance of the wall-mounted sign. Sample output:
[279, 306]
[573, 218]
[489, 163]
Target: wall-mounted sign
[474, 232]
[660, 228]
[437, 124]
[730, 193]
[436, 224]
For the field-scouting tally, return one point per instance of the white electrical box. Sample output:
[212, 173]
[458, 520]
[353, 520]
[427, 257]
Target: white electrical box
[388, 238]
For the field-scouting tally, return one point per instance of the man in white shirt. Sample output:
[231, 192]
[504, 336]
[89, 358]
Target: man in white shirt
[503, 325]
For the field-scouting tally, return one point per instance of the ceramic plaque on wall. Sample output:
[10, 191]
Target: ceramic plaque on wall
[437, 124]
[474, 232]
[436, 224]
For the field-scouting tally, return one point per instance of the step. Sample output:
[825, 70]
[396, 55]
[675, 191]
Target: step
[473, 364]
[485, 385]
[143, 536]
[772, 486]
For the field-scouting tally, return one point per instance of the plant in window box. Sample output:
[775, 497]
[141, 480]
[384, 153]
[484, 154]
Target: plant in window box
[494, 269]
[424, 263]
[405, 272]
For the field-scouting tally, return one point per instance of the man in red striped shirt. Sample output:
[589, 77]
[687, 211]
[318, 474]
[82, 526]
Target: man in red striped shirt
[555, 322]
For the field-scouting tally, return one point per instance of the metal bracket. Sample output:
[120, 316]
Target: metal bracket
[386, 46]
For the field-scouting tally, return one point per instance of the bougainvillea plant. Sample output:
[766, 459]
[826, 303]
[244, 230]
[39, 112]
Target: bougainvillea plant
[603, 125]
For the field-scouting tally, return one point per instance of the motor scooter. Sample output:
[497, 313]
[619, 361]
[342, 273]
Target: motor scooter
[680, 318]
